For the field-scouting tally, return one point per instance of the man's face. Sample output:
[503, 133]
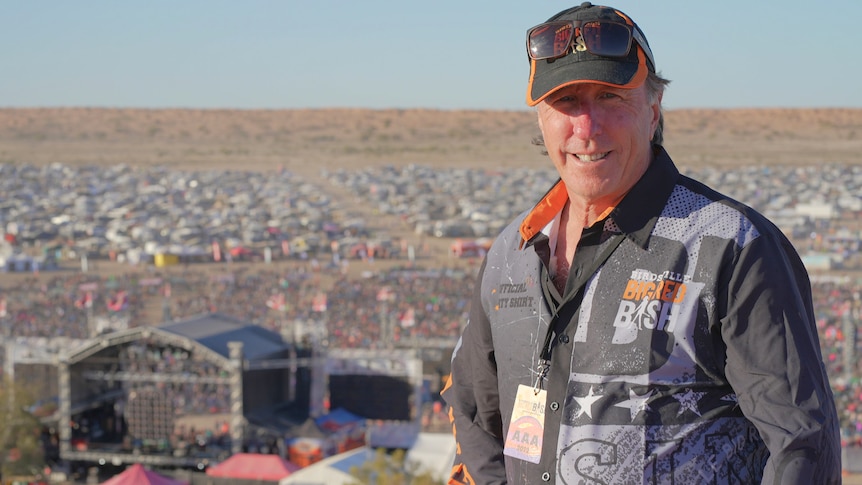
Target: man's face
[598, 138]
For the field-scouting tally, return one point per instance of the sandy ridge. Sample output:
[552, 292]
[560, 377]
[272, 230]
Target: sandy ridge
[303, 140]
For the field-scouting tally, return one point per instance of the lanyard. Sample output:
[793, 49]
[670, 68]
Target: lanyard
[545, 356]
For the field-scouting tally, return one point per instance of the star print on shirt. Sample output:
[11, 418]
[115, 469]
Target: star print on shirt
[586, 403]
[688, 401]
[731, 398]
[636, 403]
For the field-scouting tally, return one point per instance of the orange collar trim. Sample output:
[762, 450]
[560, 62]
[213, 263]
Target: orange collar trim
[545, 211]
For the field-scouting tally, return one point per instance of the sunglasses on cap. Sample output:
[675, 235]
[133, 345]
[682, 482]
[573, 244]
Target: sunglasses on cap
[556, 39]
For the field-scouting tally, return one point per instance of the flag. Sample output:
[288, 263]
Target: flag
[86, 300]
[118, 302]
[318, 303]
[408, 318]
[276, 301]
[385, 294]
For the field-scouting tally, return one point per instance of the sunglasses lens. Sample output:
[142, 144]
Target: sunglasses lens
[606, 38]
[553, 39]
[550, 40]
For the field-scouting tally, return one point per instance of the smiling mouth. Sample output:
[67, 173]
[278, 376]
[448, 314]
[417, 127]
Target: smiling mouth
[591, 158]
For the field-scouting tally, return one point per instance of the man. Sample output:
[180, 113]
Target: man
[635, 326]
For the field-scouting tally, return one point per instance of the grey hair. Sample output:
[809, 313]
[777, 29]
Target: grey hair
[655, 85]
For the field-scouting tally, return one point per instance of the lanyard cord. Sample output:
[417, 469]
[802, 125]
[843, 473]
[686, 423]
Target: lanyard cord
[545, 356]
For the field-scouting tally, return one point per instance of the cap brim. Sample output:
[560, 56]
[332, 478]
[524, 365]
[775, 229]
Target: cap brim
[549, 76]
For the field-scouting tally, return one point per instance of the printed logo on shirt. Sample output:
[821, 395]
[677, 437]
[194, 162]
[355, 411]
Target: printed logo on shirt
[650, 301]
[511, 295]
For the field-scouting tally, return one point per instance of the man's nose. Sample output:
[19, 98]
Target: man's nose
[586, 121]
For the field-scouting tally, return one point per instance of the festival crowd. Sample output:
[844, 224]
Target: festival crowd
[371, 311]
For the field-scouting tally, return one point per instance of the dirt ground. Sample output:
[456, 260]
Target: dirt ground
[306, 141]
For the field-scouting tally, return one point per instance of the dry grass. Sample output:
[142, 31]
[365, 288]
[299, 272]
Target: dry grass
[304, 140]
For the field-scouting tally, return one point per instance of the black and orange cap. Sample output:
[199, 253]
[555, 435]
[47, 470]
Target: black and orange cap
[549, 75]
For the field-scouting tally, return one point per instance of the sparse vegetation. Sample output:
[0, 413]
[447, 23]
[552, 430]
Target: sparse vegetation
[390, 469]
[20, 446]
[314, 139]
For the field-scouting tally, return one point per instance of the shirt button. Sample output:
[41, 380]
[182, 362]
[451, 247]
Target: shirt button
[555, 405]
[546, 477]
[564, 339]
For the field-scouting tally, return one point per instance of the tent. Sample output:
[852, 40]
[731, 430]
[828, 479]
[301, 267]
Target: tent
[309, 429]
[253, 466]
[332, 470]
[310, 445]
[347, 430]
[337, 419]
[431, 452]
[138, 475]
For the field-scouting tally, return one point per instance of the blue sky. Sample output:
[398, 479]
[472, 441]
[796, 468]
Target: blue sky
[446, 54]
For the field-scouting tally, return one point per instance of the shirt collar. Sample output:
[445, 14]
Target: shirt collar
[545, 211]
[635, 215]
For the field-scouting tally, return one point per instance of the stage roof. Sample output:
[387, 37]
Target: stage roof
[210, 332]
[215, 330]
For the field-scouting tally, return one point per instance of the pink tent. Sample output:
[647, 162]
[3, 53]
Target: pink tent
[138, 475]
[253, 466]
